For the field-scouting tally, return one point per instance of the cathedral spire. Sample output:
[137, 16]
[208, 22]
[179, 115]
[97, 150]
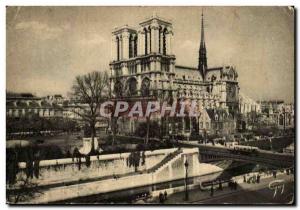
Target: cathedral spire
[202, 65]
[202, 29]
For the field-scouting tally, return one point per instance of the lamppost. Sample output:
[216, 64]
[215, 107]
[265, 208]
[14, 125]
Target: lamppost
[186, 165]
[204, 135]
[284, 119]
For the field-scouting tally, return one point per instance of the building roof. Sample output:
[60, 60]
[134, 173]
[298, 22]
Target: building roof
[192, 73]
[243, 98]
[211, 113]
[272, 102]
[185, 67]
[222, 114]
[21, 96]
[218, 68]
[161, 20]
[187, 73]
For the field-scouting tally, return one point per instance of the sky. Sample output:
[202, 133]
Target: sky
[47, 47]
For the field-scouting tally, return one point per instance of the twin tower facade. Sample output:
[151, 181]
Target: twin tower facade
[143, 67]
[142, 61]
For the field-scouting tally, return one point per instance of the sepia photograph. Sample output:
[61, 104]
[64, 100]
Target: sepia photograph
[150, 105]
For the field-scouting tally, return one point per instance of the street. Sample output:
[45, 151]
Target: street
[258, 193]
[255, 196]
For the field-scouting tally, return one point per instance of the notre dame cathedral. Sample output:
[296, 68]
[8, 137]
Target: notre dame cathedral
[143, 66]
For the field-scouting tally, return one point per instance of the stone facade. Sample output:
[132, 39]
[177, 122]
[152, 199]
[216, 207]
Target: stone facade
[278, 113]
[143, 66]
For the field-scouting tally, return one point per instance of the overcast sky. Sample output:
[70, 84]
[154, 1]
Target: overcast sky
[48, 46]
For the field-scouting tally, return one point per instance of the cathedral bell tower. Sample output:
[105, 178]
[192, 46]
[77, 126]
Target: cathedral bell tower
[202, 65]
[142, 62]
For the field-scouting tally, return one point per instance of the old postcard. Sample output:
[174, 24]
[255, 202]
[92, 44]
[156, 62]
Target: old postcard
[150, 105]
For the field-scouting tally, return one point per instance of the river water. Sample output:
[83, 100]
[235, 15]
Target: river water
[129, 196]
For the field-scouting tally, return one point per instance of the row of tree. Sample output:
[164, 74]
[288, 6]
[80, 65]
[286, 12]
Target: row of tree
[37, 124]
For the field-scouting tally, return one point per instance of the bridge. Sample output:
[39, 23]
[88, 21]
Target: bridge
[209, 153]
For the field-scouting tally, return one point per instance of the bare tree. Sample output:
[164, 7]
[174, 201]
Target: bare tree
[90, 90]
[114, 127]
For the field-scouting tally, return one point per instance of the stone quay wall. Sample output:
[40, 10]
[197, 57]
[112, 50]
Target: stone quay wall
[67, 170]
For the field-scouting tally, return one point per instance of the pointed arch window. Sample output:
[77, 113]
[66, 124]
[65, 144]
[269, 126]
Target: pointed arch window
[146, 41]
[145, 88]
[164, 42]
[130, 46]
[118, 48]
[131, 87]
[150, 32]
[159, 39]
[135, 46]
[118, 87]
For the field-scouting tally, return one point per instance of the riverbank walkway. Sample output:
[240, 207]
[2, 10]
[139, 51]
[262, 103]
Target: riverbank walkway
[204, 196]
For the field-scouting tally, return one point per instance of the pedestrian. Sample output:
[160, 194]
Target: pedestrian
[220, 185]
[212, 191]
[258, 178]
[29, 168]
[244, 178]
[161, 197]
[36, 167]
[166, 195]
[235, 185]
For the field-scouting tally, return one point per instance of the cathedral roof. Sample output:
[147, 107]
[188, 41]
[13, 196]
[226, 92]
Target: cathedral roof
[187, 73]
[221, 113]
[219, 68]
[185, 67]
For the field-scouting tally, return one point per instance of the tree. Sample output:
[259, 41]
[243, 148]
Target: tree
[90, 91]
[144, 127]
[114, 127]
